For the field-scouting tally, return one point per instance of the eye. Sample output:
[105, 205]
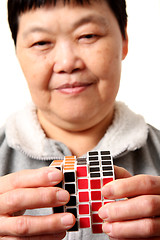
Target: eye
[42, 45]
[88, 38]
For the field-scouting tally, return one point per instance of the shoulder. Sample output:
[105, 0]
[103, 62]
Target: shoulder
[153, 141]
[143, 160]
[127, 132]
[2, 135]
[5, 152]
[154, 132]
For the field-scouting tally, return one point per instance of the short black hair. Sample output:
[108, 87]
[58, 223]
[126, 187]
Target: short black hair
[16, 7]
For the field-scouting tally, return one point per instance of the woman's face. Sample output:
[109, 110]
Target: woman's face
[71, 57]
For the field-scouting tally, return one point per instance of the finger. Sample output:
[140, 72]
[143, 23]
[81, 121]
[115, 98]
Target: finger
[42, 237]
[133, 186]
[135, 208]
[47, 176]
[31, 198]
[154, 238]
[121, 172]
[18, 213]
[25, 226]
[142, 228]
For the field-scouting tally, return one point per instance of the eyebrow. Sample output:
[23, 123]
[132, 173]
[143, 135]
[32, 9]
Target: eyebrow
[36, 29]
[91, 19]
[87, 19]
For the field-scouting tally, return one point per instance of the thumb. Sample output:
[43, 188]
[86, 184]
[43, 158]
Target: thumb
[121, 173]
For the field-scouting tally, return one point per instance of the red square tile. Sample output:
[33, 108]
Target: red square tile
[81, 171]
[107, 180]
[97, 228]
[84, 209]
[105, 198]
[95, 183]
[96, 218]
[83, 196]
[105, 202]
[85, 222]
[96, 195]
[82, 183]
[96, 206]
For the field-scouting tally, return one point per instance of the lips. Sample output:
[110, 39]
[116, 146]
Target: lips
[73, 88]
[73, 85]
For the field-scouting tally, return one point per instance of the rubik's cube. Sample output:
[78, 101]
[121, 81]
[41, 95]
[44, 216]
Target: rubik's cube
[83, 179]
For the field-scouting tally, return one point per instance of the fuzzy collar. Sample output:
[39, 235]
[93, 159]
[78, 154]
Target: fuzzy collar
[128, 131]
[23, 131]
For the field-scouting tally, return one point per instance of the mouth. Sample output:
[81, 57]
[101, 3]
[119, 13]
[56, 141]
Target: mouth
[74, 88]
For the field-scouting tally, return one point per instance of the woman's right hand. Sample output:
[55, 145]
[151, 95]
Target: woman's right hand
[31, 189]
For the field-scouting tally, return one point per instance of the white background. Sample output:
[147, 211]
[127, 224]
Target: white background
[140, 84]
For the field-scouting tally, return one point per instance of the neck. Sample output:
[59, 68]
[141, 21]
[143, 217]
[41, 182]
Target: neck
[79, 142]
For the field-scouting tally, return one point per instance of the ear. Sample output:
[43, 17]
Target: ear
[125, 45]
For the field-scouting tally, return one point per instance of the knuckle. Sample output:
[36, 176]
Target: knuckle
[47, 195]
[149, 227]
[15, 180]
[11, 238]
[21, 226]
[12, 200]
[149, 182]
[113, 211]
[149, 204]
[54, 224]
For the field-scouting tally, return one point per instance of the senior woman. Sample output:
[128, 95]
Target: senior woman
[71, 53]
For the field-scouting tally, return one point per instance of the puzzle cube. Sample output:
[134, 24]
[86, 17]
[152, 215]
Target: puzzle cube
[83, 179]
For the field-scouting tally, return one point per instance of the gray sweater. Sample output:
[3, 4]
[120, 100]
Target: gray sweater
[134, 145]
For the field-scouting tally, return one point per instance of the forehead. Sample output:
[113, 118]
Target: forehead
[27, 5]
[66, 16]
[30, 4]
[80, 7]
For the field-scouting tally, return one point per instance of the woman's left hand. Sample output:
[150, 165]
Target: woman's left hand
[136, 217]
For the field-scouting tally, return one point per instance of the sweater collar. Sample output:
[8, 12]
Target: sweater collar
[23, 131]
[128, 131]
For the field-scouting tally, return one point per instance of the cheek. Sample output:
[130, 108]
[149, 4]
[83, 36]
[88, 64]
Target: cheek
[106, 64]
[37, 71]
[107, 68]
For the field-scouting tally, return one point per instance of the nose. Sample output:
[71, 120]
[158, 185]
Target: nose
[67, 59]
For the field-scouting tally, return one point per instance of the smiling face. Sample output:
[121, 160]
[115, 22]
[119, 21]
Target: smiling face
[71, 57]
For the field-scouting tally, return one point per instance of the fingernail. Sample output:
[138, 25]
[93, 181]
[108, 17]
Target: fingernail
[62, 196]
[55, 176]
[103, 213]
[67, 220]
[107, 228]
[107, 191]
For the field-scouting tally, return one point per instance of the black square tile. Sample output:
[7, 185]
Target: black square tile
[58, 209]
[94, 175]
[109, 168]
[73, 211]
[59, 184]
[106, 157]
[72, 201]
[106, 163]
[59, 168]
[74, 228]
[105, 174]
[69, 176]
[71, 188]
[94, 169]
[93, 153]
[105, 153]
[94, 163]
[93, 158]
